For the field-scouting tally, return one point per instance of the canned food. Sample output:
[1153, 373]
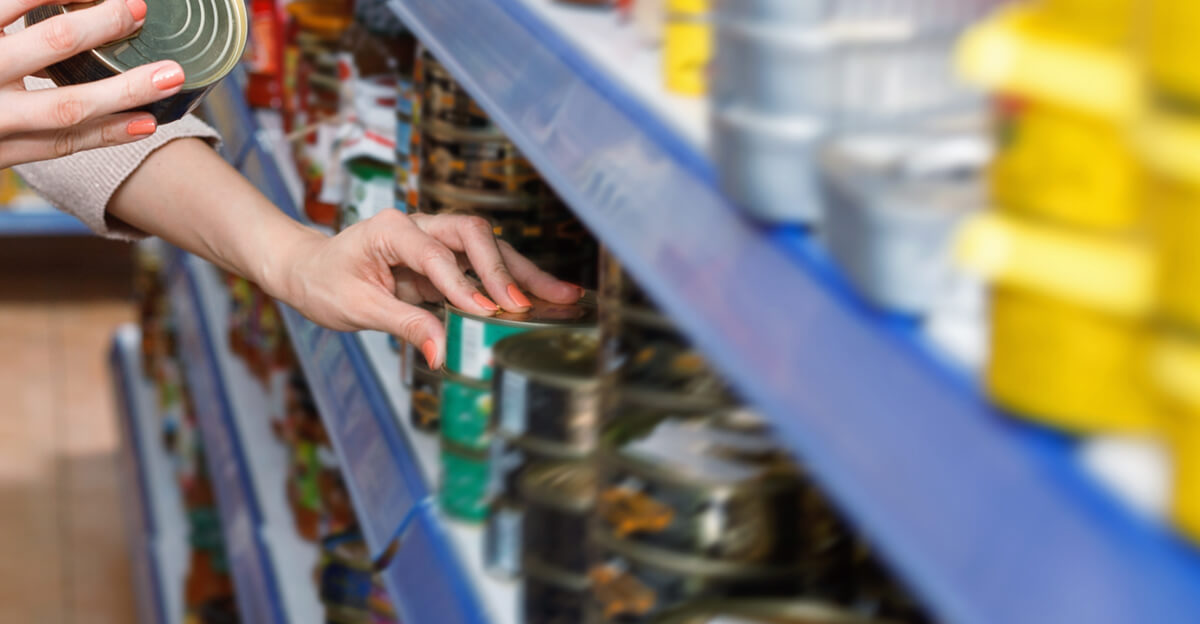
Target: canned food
[761, 612]
[463, 494]
[477, 162]
[466, 412]
[502, 539]
[206, 38]
[444, 100]
[509, 457]
[767, 164]
[709, 486]
[553, 596]
[470, 338]
[687, 46]
[636, 583]
[644, 353]
[559, 499]
[894, 206]
[546, 385]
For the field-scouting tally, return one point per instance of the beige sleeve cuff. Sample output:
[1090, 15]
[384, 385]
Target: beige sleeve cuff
[83, 183]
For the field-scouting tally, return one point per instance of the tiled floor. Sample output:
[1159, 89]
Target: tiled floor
[62, 544]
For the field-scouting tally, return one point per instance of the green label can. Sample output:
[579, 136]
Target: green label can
[463, 494]
[466, 412]
[470, 338]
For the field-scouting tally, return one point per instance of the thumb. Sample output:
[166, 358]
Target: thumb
[415, 325]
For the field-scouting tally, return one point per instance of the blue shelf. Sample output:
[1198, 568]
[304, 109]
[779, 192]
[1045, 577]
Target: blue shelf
[255, 581]
[46, 222]
[137, 501]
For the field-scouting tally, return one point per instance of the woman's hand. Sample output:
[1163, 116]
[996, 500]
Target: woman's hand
[49, 123]
[371, 275]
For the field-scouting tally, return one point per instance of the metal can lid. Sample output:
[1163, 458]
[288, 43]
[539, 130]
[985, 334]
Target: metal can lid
[557, 356]
[205, 37]
[540, 314]
[561, 485]
[761, 611]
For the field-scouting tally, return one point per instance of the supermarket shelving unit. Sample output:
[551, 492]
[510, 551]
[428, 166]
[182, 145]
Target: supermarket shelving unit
[45, 221]
[989, 521]
[155, 524]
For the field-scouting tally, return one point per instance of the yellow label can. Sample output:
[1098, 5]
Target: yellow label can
[687, 47]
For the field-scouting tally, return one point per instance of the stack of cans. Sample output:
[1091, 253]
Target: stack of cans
[466, 165]
[466, 404]
[790, 74]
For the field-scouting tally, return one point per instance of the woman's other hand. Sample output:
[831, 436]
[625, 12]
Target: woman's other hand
[49, 123]
[371, 275]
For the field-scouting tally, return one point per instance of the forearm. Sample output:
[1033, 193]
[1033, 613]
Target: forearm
[186, 194]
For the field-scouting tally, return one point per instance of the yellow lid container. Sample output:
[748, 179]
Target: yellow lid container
[1065, 165]
[1068, 366]
[1173, 47]
[1171, 149]
[1175, 374]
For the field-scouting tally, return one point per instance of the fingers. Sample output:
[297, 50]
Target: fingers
[540, 283]
[48, 144]
[64, 36]
[473, 236]
[56, 109]
[414, 325]
[401, 242]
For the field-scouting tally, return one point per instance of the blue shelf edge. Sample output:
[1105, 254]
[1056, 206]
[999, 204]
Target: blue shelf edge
[257, 591]
[48, 222]
[989, 521]
[147, 577]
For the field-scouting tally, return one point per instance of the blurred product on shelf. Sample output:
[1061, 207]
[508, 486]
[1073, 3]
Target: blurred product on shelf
[895, 202]
[349, 585]
[264, 55]
[424, 384]
[15, 193]
[687, 46]
[761, 612]
[256, 331]
[788, 78]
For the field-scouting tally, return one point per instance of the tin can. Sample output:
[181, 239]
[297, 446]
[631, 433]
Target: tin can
[463, 492]
[509, 458]
[545, 384]
[645, 353]
[552, 596]
[687, 46]
[444, 100]
[711, 486]
[466, 412]
[478, 162]
[894, 206]
[503, 536]
[636, 583]
[470, 338]
[767, 164]
[532, 226]
[559, 499]
[206, 38]
[750, 611]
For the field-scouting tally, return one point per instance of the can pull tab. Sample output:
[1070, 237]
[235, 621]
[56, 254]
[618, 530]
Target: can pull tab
[628, 511]
[620, 593]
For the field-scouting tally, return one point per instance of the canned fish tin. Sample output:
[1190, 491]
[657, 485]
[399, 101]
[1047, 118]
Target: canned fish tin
[470, 338]
[553, 596]
[711, 486]
[761, 612]
[206, 38]
[546, 384]
[645, 353]
[636, 583]
[559, 499]
[478, 162]
[463, 493]
[533, 226]
[502, 539]
[444, 100]
[509, 458]
[894, 206]
[466, 412]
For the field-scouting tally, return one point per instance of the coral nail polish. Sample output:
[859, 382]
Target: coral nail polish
[141, 127]
[167, 78]
[518, 296]
[485, 303]
[137, 8]
[429, 350]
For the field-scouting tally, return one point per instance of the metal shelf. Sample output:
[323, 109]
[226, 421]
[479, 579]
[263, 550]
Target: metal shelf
[155, 524]
[42, 222]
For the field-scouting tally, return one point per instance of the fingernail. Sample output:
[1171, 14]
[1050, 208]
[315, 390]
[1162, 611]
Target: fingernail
[429, 350]
[581, 290]
[141, 127]
[167, 78]
[137, 8]
[518, 296]
[485, 303]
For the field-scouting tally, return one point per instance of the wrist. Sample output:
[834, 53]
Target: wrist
[277, 273]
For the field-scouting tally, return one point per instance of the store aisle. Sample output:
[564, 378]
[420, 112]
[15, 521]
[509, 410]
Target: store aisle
[62, 544]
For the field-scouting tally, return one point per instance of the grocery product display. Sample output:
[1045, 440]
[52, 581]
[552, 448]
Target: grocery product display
[753, 414]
